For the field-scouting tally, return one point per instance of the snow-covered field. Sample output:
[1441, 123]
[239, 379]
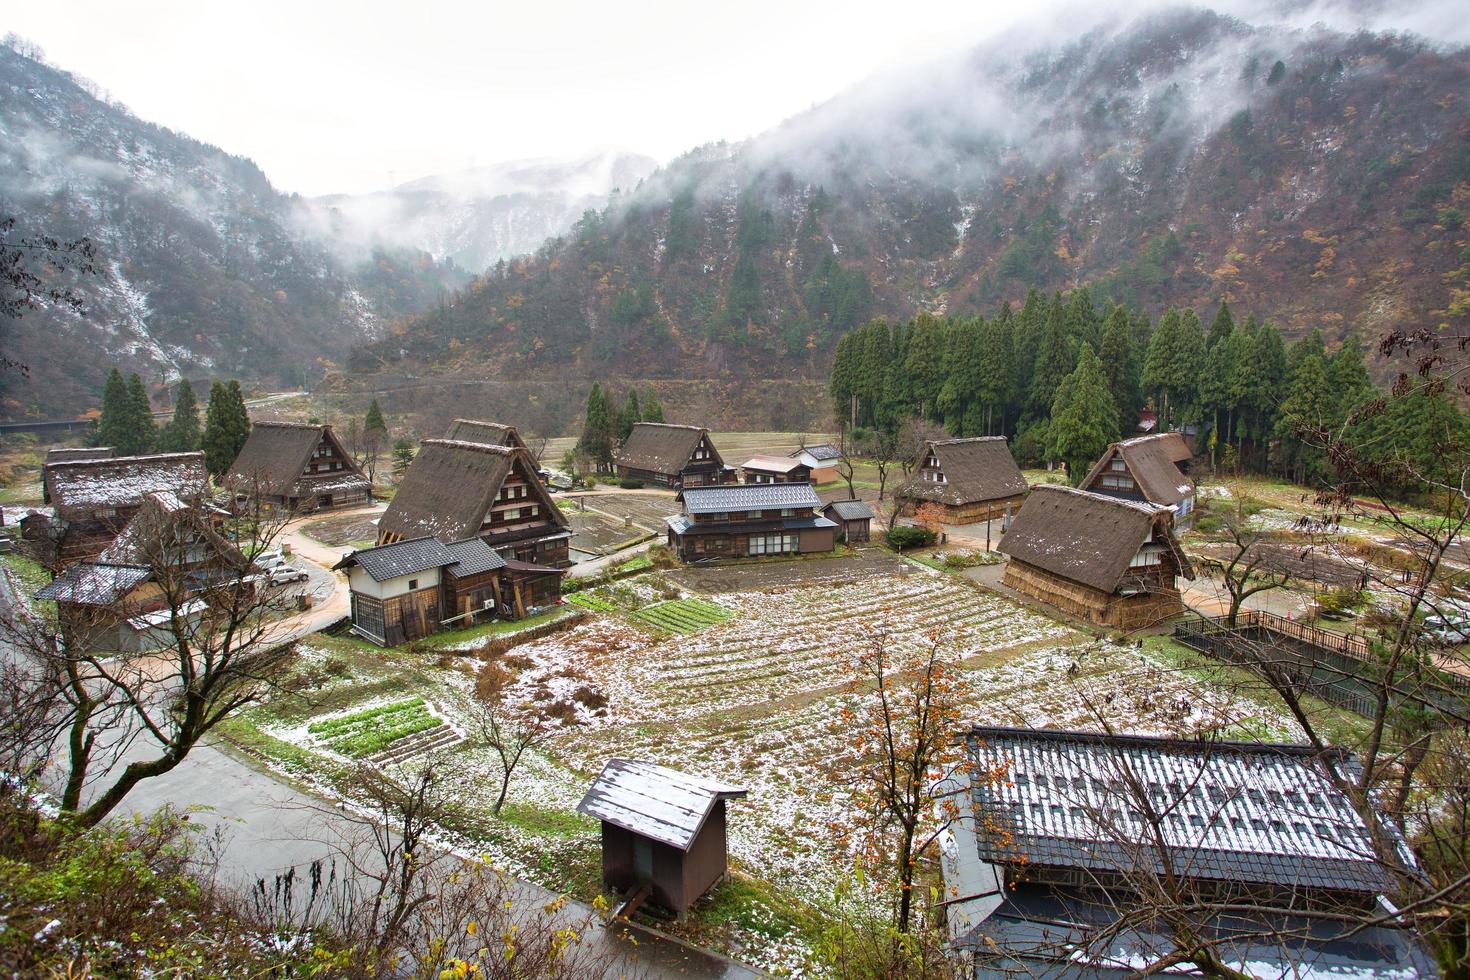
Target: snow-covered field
[757, 702]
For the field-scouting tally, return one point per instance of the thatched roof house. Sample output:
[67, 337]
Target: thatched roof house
[67, 454]
[1105, 559]
[298, 467]
[670, 455]
[1093, 821]
[489, 433]
[455, 490]
[972, 479]
[1147, 468]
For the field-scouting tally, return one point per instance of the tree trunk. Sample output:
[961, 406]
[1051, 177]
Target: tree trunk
[905, 879]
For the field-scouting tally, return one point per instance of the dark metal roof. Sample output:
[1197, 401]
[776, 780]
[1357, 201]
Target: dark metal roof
[474, 557]
[654, 801]
[95, 583]
[1231, 811]
[821, 452]
[850, 510]
[749, 496]
[391, 561]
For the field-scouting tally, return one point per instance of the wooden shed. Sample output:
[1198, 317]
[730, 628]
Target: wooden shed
[1114, 562]
[663, 831]
[852, 517]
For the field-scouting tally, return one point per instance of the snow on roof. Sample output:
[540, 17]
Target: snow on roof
[654, 801]
[822, 451]
[749, 496]
[161, 616]
[95, 583]
[1230, 811]
[123, 480]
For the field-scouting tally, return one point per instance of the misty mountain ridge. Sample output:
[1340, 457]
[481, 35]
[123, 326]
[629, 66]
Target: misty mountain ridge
[1183, 157]
[477, 216]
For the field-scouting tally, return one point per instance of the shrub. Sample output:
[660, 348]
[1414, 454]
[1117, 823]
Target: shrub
[631, 484]
[903, 537]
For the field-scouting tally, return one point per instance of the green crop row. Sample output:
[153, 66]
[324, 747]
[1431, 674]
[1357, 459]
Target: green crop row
[338, 726]
[683, 615]
[589, 601]
[374, 740]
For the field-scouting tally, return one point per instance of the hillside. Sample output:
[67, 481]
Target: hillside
[476, 217]
[1313, 178]
[202, 269]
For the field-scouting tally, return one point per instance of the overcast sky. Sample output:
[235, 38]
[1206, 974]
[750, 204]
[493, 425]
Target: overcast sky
[346, 96]
[330, 96]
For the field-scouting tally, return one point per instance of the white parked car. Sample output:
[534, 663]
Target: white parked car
[1450, 630]
[284, 574]
[269, 559]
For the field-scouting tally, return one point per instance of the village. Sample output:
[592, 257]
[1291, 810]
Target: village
[675, 654]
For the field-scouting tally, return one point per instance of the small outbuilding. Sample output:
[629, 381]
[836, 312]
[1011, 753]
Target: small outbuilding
[852, 517]
[662, 830]
[823, 459]
[775, 469]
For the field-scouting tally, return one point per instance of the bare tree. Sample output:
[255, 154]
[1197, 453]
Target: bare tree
[881, 446]
[508, 731]
[1246, 569]
[25, 286]
[151, 651]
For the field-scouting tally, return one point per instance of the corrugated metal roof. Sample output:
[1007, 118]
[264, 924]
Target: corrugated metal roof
[95, 583]
[402, 558]
[678, 523]
[851, 510]
[474, 557]
[822, 452]
[749, 496]
[1231, 811]
[654, 801]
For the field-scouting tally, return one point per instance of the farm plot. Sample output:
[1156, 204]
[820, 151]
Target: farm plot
[363, 733]
[683, 615]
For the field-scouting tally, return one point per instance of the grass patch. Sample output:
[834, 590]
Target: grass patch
[683, 615]
[588, 600]
[758, 907]
[497, 628]
[366, 732]
[636, 565]
[546, 821]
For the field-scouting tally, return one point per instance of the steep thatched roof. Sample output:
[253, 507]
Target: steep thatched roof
[274, 459]
[68, 455]
[451, 485]
[1152, 462]
[165, 529]
[975, 470]
[1086, 537]
[490, 433]
[83, 487]
[661, 448]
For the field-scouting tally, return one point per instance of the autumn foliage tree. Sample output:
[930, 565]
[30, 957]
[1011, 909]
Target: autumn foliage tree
[904, 721]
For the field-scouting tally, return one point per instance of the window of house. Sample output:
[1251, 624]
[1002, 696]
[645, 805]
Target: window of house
[788, 512]
[1117, 482]
[513, 514]
[1118, 466]
[1148, 557]
[533, 510]
[413, 583]
[721, 516]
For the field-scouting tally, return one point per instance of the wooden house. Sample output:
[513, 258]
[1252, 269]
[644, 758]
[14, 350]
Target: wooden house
[971, 479]
[171, 557]
[749, 520]
[822, 459]
[775, 469]
[1150, 468]
[671, 456]
[413, 588]
[487, 433]
[64, 454]
[92, 500]
[853, 519]
[1095, 822]
[455, 490]
[1111, 561]
[297, 467]
[663, 832]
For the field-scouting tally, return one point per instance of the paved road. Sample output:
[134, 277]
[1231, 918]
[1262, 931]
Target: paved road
[270, 827]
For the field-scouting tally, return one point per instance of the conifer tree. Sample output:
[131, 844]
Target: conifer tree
[402, 456]
[1348, 374]
[597, 432]
[138, 431]
[1221, 326]
[1119, 359]
[181, 435]
[238, 418]
[112, 423]
[1084, 418]
[630, 416]
[997, 369]
[217, 442]
[1054, 361]
[1309, 405]
[652, 410]
[374, 435]
[925, 363]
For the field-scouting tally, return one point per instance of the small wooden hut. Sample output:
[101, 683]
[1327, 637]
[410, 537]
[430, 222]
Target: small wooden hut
[853, 519]
[1111, 561]
[663, 832]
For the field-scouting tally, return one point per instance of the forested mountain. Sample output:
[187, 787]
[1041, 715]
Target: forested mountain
[202, 269]
[476, 217]
[1315, 179]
